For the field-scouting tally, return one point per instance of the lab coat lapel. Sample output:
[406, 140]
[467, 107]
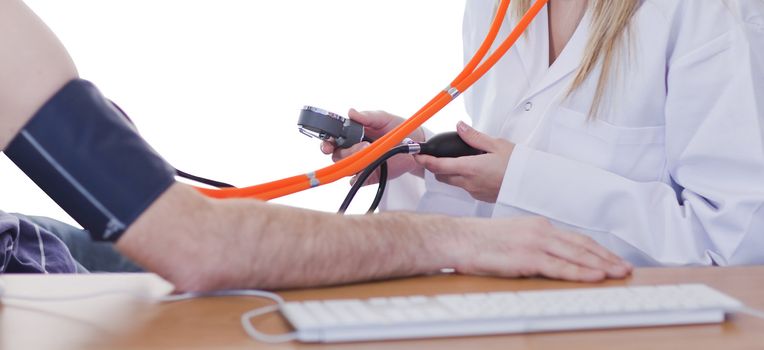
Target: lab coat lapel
[533, 48]
[568, 61]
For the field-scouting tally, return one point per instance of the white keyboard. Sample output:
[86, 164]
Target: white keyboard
[451, 315]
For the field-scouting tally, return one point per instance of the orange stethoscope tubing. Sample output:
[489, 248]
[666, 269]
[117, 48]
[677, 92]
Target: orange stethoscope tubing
[351, 165]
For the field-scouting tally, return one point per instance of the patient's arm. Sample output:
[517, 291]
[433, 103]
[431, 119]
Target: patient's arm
[33, 66]
[199, 243]
[208, 244]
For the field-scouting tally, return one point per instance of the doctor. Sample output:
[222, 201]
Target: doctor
[638, 123]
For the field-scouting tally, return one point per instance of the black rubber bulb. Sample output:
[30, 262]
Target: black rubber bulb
[449, 145]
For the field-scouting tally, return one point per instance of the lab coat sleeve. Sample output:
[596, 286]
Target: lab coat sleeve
[712, 211]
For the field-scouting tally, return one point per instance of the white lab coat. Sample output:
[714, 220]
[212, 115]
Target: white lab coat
[670, 172]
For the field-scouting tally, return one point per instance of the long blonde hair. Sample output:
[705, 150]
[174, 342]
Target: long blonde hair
[609, 27]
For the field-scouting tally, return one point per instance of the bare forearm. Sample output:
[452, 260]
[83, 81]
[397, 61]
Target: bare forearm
[208, 244]
[317, 248]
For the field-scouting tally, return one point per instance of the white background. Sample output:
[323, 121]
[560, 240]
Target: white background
[216, 86]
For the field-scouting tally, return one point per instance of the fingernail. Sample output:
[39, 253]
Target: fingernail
[365, 144]
[462, 126]
[323, 149]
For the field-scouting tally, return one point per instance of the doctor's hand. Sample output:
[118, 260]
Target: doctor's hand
[479, 175]
[531, 246]
[376, 124]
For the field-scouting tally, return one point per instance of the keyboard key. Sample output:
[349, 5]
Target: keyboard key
[378, 301]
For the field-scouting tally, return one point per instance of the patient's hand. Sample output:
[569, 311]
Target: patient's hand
[376, 124]
[532, 246]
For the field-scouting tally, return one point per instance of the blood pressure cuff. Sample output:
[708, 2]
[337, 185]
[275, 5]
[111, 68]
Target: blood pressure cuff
[88, 158]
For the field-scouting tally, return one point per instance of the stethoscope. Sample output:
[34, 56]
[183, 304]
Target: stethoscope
[382, 147]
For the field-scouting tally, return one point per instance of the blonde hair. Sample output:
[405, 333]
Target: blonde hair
[609, 27]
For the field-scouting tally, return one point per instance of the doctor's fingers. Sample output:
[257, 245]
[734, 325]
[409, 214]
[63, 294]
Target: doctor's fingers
[592, 246]
[377, 123]
[375, 120]
[327, 147]
[445, 166]
[477, 139]
[372, 179]
[453, 180]
[342, 153]
[583, 256]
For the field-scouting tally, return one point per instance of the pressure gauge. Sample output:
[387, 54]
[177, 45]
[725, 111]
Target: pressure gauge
[325, 125]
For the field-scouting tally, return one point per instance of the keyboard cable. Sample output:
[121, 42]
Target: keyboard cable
[246, 318]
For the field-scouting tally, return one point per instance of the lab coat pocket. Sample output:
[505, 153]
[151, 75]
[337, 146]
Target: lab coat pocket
[637, 153]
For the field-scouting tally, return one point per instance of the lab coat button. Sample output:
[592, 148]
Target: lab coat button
[528, 106]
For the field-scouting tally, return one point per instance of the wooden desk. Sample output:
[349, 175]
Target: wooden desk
[124, 322]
